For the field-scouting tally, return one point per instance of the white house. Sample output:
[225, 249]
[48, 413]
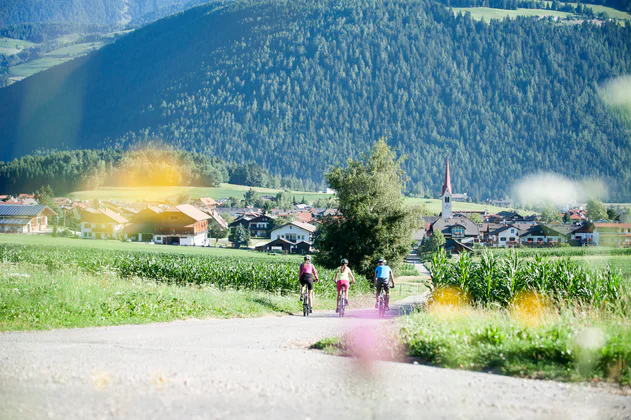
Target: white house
[505, 237]
[101, 224]
[294, 232]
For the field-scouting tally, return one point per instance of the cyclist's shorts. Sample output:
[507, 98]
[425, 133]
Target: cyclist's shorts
[342, 283]
[383, 283]
[307, 278]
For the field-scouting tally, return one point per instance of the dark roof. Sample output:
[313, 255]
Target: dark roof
[14, 222]
[445, 225]
[21, 210]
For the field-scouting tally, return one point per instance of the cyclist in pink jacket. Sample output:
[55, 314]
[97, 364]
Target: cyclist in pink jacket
[307, 275]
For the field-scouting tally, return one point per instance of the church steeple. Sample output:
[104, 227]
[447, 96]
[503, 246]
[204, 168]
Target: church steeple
[447, 182]
[447, 192]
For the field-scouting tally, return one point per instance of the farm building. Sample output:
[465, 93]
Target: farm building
[143, 225]
[182, 225]
[18, 218]
[101, 224]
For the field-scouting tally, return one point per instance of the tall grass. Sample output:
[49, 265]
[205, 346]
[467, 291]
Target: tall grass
[500, 280]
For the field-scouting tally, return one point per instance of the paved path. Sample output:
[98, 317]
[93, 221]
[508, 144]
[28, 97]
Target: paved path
[258, 368]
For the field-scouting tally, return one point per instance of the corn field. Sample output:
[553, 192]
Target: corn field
[279, 276]
[497, 280]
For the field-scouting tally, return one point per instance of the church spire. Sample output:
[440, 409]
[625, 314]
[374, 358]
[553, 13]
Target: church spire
[446, 194]
[447, 182]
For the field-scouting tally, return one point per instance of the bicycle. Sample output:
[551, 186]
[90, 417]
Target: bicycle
[306, 309]
[341, 304]
[382, 302]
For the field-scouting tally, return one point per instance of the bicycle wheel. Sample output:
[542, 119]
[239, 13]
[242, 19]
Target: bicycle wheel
[340, 306]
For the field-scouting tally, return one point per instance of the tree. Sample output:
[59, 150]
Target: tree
[612, 214]
[475, 218]
[217, 231]
[550, 214]
[374, 222]
[434, 242]
[240, 237]
[183, 198]
[284, 200]
[596, 210]
[566, 217]
[250, 197]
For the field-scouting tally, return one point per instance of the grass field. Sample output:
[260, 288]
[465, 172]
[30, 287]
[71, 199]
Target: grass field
[434, 206]
[165, 193]
[10, 46]
[112, 245]
[488, 13]
[53, 58]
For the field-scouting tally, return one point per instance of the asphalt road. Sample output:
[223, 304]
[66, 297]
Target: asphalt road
[259, 369]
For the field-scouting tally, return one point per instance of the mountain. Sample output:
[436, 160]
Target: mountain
[102, 12]
[299, 85]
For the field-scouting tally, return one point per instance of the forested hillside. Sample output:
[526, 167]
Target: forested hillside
[299, 85]
[104, 12]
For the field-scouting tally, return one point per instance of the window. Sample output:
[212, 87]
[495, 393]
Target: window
[446, 199]
[511, 239]
[457, 231]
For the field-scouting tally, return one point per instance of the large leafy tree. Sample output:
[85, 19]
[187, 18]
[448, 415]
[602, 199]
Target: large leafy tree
[596, 210]
[373, 220]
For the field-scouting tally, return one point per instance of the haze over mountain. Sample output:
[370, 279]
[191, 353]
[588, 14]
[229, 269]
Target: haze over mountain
[102, 12]
[299, 85]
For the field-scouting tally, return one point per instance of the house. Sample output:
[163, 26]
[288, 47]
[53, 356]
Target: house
[259, 226]
[546, 234]
[505, 237]
[101, 224]
[215, 217]
[460, 197]
[277, 245]
[584, 235]
[4, 198]
[295, 232]
[18, 218]
[501, 203]
[182, 225]
[612, 234]
[460, 228]
[62, 201]
[205, 203]
[143, 225]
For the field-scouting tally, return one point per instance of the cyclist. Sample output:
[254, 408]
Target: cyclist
[307, 274]
[383, 274]
[342, 276]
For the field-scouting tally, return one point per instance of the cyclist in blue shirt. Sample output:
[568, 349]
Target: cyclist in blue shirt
[383, 274]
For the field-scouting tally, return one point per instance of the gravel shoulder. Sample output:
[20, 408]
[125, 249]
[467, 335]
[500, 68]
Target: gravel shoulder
[256, 368]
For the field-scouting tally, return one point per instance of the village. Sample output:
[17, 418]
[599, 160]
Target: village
[205, 222]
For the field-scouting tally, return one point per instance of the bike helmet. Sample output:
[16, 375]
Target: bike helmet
[381, 260]
[307, 258]
[344, 261]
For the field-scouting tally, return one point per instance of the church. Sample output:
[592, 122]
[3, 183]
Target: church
[459, 231]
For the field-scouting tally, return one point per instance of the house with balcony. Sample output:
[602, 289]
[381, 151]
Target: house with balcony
[19, 218]
[259, 225]
[101, 224]
[292, 237]
[616, 235]
[505, 237]
[182, 225]
[542, 235]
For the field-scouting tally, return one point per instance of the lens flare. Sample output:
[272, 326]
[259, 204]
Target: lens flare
[529, 308]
